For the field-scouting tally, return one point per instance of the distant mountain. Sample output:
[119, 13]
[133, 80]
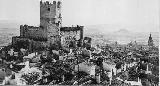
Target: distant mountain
[122, 36]
[123, 31]
[127, 36]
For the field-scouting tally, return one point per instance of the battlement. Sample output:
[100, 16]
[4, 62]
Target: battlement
[27, 26]
[77, 28]
[47, 3]
[50, 12]
[49, 29]
[33, 32]
[71, 35]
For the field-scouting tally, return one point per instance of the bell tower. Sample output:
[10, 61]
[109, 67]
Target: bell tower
[150, 41]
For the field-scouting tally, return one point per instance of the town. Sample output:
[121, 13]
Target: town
[55, 55]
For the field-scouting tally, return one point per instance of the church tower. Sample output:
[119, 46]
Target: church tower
[150, 41]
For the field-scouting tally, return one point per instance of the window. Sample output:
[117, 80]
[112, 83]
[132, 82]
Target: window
[59, 5]
[48, 9]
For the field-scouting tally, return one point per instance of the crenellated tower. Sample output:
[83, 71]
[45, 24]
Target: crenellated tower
[50, 13]
[48, 33]
[51, 20]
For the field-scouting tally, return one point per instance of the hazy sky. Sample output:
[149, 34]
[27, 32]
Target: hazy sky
[128, 13]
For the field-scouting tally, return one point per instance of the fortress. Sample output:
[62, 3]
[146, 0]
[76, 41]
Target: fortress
[49, 32]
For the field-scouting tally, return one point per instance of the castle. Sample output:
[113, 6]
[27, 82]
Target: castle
[48, 33]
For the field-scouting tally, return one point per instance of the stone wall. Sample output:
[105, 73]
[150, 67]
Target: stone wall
[50, 12]
[36, 33]
[21, 42]
[26, 43]
[71, 35]
[48, 33]
[53, 34]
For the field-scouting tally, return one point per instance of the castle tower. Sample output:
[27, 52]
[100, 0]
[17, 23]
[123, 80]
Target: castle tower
[50, 13]
[150, 41]
[51, 20]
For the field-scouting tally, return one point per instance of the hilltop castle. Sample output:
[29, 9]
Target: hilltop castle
[48, 33]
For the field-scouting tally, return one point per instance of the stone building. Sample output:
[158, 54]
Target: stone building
[48, 33]
[150, 41]
[71, 36]
[50, 13]
[35, 33]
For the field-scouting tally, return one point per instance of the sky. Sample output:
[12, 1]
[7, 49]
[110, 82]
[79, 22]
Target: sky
[131, 14]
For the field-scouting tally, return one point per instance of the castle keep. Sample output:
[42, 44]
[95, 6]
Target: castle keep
[48, 33]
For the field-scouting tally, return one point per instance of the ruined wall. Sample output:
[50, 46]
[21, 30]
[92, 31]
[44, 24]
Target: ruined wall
[15, 39]
[71, 35]
[21, 42]
[67, 37]
[26, 43]
[36, 33]
[53, 34]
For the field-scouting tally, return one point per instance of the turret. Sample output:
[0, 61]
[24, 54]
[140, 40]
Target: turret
[50, 13]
